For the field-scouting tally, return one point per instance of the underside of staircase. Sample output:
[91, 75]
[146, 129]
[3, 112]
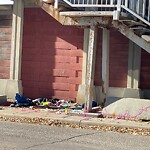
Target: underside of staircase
[131, 27]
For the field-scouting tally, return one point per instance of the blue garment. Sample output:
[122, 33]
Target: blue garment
[94, 104]
[21, 99]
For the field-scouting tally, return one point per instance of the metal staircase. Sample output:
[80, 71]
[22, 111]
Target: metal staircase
[130, 17]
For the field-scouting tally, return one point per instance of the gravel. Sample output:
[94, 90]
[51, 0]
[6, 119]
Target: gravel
[42, 121]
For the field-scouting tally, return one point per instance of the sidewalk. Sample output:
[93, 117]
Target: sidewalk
[53, 115]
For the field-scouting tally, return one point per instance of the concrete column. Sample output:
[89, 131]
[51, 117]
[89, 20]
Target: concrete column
[14, 84]
[90, 68]
[134, 64]
[105, 63]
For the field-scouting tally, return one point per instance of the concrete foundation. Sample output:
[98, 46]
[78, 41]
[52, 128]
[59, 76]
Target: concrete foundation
[112, 92]
[111, 100]
[10, 87]
[124, 92]
[3, 99]
[146, 94]
[13, 87]
[97, 93]
[3, 83]
[81, 94]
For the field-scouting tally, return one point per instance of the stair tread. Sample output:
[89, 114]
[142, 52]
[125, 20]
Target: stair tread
[48, 1]
[140, 28]
[132, 23]
[86, 13]
[146, 38]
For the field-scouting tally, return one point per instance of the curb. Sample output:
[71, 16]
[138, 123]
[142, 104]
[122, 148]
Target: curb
[89, 123]
[68, 121]
[82, 124]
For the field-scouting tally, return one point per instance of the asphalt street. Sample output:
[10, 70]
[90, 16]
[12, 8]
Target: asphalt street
[19, 136]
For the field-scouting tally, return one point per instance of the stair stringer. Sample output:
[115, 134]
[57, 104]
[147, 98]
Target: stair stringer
[123, 29]
[77, 20]
[49, 8]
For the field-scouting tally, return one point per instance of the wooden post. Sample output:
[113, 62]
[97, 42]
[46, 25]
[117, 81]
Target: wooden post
[90, 70]
[105, 63]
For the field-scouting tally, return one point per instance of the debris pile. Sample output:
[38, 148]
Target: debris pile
[21, 101]
[67, 106]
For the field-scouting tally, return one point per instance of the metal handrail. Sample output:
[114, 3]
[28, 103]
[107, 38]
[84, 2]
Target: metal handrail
[92, 3]
[6, 2]
[139, 9]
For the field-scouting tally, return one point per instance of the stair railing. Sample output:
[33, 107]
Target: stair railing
[139, 9]
[92, 3]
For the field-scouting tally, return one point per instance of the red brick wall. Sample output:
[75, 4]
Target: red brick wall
[52, 56]
[5, 45]
[118, 65]
[145, 70]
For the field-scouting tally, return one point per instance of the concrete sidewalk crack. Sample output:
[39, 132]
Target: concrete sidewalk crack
[60, 141]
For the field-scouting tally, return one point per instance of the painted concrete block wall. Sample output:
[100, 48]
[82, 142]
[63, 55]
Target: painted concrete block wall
[119, 46]
[98, 63]
[52, 56]
[118, 65]
[5, 45]
[145, 70]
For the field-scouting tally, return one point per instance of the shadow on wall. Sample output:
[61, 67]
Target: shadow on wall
[52, 56]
